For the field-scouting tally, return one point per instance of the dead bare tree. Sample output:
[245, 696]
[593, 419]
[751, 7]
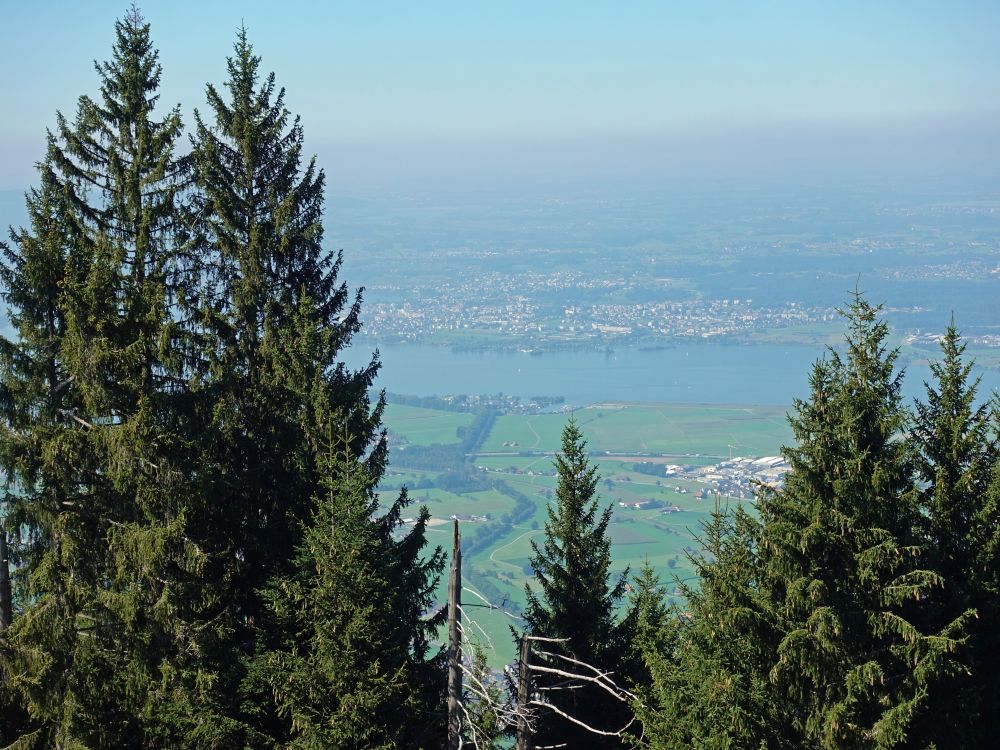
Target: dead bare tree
[454, 644]
[510, 699]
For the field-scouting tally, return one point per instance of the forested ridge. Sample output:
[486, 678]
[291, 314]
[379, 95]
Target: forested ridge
[193, 553]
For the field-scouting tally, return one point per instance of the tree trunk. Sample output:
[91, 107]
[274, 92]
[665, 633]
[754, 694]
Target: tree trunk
[455, 645]
[523, 693]
[6, 602]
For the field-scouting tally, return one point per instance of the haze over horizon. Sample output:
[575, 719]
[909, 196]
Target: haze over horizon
[448, 93]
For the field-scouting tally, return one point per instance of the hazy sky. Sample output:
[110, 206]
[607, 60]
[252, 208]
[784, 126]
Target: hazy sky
[391, 89]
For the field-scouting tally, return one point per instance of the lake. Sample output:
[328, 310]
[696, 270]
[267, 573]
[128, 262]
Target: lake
[685, 374]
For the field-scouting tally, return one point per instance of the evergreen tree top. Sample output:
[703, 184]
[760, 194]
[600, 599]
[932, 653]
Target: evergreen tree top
[577, 597]
[133, 74]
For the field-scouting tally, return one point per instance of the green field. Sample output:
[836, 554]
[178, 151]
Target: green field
[650, 428]
[696, 435]
[425, 426]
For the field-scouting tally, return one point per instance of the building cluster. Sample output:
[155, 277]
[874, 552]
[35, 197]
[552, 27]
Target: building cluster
[520, 311]
[703, 319]
[964, 270]
[987, 341]
[736, 477]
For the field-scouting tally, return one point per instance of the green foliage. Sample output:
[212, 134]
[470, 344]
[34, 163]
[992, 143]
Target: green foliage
[708, 684]
[577, 601]
[844, 614]
[272, 319]
[955, 452]
[842, 562]
[483, 697]
[648, 614]
[346, 670]
[167, 403]
[198, 563]
[93, 456]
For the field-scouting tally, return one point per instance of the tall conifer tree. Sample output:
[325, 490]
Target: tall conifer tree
[32, 381]
[273, 319]
[650, 613]
[840, 558]
[93, 456]
[956, 452]
[709, 685]
[167, 401]
[986, 635]
[843, 617]
[577, 601]
[346, 671]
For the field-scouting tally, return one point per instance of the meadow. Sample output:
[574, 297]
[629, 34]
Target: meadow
[425, 426]
[517, 455]
[679, 430]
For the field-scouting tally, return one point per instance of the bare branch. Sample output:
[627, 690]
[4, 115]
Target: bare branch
[490, 605]
[586, 678]
[546, 640]
[466, 617]
[601, 675]
[78, 420]
[585, 726]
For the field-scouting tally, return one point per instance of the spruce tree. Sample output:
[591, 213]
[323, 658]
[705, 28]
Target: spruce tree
[33, 387]
[956, 452]
[840, 558]
[346, 670]
[649, 613]
[167, 401]
[6, 595]
[89, 387]
[272, 319]
[708, 684]
[577, 601]
[484, 723]
[34, 380]
[986, 642]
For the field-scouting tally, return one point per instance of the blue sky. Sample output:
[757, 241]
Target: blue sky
[387, 88]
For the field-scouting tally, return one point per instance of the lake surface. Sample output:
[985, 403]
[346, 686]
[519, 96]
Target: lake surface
[695, 374]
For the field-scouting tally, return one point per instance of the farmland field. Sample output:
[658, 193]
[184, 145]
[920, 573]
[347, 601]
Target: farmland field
[425, 426]
[514, 465]
[650, 428]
